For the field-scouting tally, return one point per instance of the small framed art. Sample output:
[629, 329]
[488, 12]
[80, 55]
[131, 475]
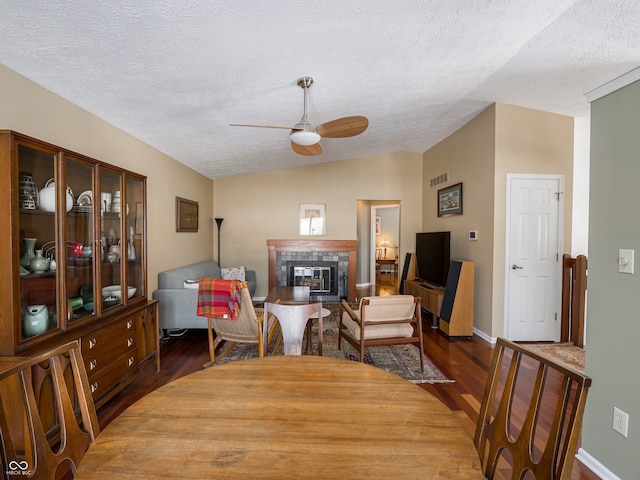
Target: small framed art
[186, 215]
[312, 219]
[450, 200]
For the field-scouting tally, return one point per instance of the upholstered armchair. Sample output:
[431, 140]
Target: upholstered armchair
[387, 320]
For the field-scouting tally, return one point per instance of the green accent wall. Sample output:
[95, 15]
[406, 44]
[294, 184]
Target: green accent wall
[613, 308]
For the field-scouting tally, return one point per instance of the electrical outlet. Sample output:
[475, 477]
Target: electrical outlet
[620, 422]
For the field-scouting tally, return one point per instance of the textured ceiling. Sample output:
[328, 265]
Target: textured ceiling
[175, 73]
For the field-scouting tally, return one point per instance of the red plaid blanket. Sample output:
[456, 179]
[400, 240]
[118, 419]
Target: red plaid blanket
[218, 298]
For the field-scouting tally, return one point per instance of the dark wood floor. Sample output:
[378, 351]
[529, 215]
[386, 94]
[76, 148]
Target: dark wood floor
[465, 361]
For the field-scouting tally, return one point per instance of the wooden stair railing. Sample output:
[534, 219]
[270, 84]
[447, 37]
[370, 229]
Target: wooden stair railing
[574, 289]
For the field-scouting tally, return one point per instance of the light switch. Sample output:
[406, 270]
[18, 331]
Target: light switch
[625, 261]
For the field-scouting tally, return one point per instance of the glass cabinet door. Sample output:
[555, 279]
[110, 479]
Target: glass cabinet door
[111, 241]
[37, 230]
[74, 243]
[134, 225]
[79, 241]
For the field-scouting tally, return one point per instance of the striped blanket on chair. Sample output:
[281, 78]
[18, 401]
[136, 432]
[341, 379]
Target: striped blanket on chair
[218, 298]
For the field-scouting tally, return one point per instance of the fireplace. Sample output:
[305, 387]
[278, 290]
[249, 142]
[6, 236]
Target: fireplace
[320, 277]
[316, 253]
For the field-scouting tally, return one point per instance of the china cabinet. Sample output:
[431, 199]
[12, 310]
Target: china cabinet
[73, 256]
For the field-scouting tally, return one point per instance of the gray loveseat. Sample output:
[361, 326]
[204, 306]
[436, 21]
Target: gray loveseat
[178, 305]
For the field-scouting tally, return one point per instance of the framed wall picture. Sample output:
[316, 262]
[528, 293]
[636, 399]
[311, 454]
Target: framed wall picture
[450, 200]
[378, 225]
[312, 219]
[186, 215]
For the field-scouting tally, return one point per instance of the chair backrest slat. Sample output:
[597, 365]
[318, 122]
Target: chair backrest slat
[30, 447]
[545, 442]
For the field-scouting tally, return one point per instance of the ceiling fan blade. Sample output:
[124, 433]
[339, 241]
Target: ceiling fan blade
[308, 150]
[343, 127]
[262, 126]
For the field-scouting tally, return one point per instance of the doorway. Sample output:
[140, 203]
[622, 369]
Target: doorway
[367, 211]
[534, 262]
[385, 243]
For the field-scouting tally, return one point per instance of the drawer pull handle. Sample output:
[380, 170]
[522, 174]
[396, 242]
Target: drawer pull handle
[92, 342]
[94, 387]
[131, 361]
[129, 342]
[129, 324]
[93, 364]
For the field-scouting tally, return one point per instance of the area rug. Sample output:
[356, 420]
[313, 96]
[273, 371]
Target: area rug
[564, 353]
[402, 360]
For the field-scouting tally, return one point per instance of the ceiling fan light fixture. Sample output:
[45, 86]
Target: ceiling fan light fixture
[304, 138]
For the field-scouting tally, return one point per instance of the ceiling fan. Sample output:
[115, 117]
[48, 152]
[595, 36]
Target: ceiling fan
[305, 137]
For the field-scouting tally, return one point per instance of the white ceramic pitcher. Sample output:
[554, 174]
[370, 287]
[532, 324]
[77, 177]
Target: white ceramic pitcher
[48, 197]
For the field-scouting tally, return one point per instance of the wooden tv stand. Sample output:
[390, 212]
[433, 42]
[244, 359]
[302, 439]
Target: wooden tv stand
[454, 305]
[431, 297]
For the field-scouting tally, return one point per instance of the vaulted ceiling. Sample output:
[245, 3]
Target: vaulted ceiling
[176, 73]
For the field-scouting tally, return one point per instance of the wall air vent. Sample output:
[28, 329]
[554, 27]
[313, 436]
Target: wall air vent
[442, 178]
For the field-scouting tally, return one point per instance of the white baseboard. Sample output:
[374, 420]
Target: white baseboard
[595, 466]
[484, 336]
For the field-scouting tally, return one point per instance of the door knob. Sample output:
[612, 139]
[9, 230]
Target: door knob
[516, 267]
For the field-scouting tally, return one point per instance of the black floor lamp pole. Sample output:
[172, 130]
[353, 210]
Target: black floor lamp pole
[219, 223]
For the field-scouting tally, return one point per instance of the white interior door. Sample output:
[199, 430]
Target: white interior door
[534, 273]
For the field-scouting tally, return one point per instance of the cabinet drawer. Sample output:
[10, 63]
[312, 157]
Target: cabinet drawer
[111, 375]
[101, 346]
[431, 299]
[432, 303]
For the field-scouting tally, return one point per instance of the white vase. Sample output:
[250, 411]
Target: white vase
[39, 264]
[29, 247]
[35, 320]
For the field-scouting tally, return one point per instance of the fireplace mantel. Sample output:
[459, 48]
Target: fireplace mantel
[350, 246]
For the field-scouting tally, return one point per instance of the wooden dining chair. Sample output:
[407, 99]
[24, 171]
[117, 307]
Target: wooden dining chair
[541, 445]
[385, 320]
[293, 321]
[47, 416]
[246, 328]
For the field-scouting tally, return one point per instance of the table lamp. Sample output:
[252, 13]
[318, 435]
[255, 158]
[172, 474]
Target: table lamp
[385, 244]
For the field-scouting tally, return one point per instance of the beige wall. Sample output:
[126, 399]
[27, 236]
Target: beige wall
[32, 110]
[266, 206]
[527, 141]
[468, 157]
[502, 139]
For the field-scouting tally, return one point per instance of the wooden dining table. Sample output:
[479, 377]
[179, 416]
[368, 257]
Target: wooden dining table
[289, 295]
[282, 418]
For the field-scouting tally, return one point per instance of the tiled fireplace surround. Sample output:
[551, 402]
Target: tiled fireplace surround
[341, 251]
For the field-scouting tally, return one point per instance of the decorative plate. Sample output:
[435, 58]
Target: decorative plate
[85, 198]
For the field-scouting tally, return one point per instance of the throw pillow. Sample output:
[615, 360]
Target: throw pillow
[233, 273]
[191, 284]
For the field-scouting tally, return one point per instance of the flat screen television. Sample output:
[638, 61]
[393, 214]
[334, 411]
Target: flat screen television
[433, 258]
